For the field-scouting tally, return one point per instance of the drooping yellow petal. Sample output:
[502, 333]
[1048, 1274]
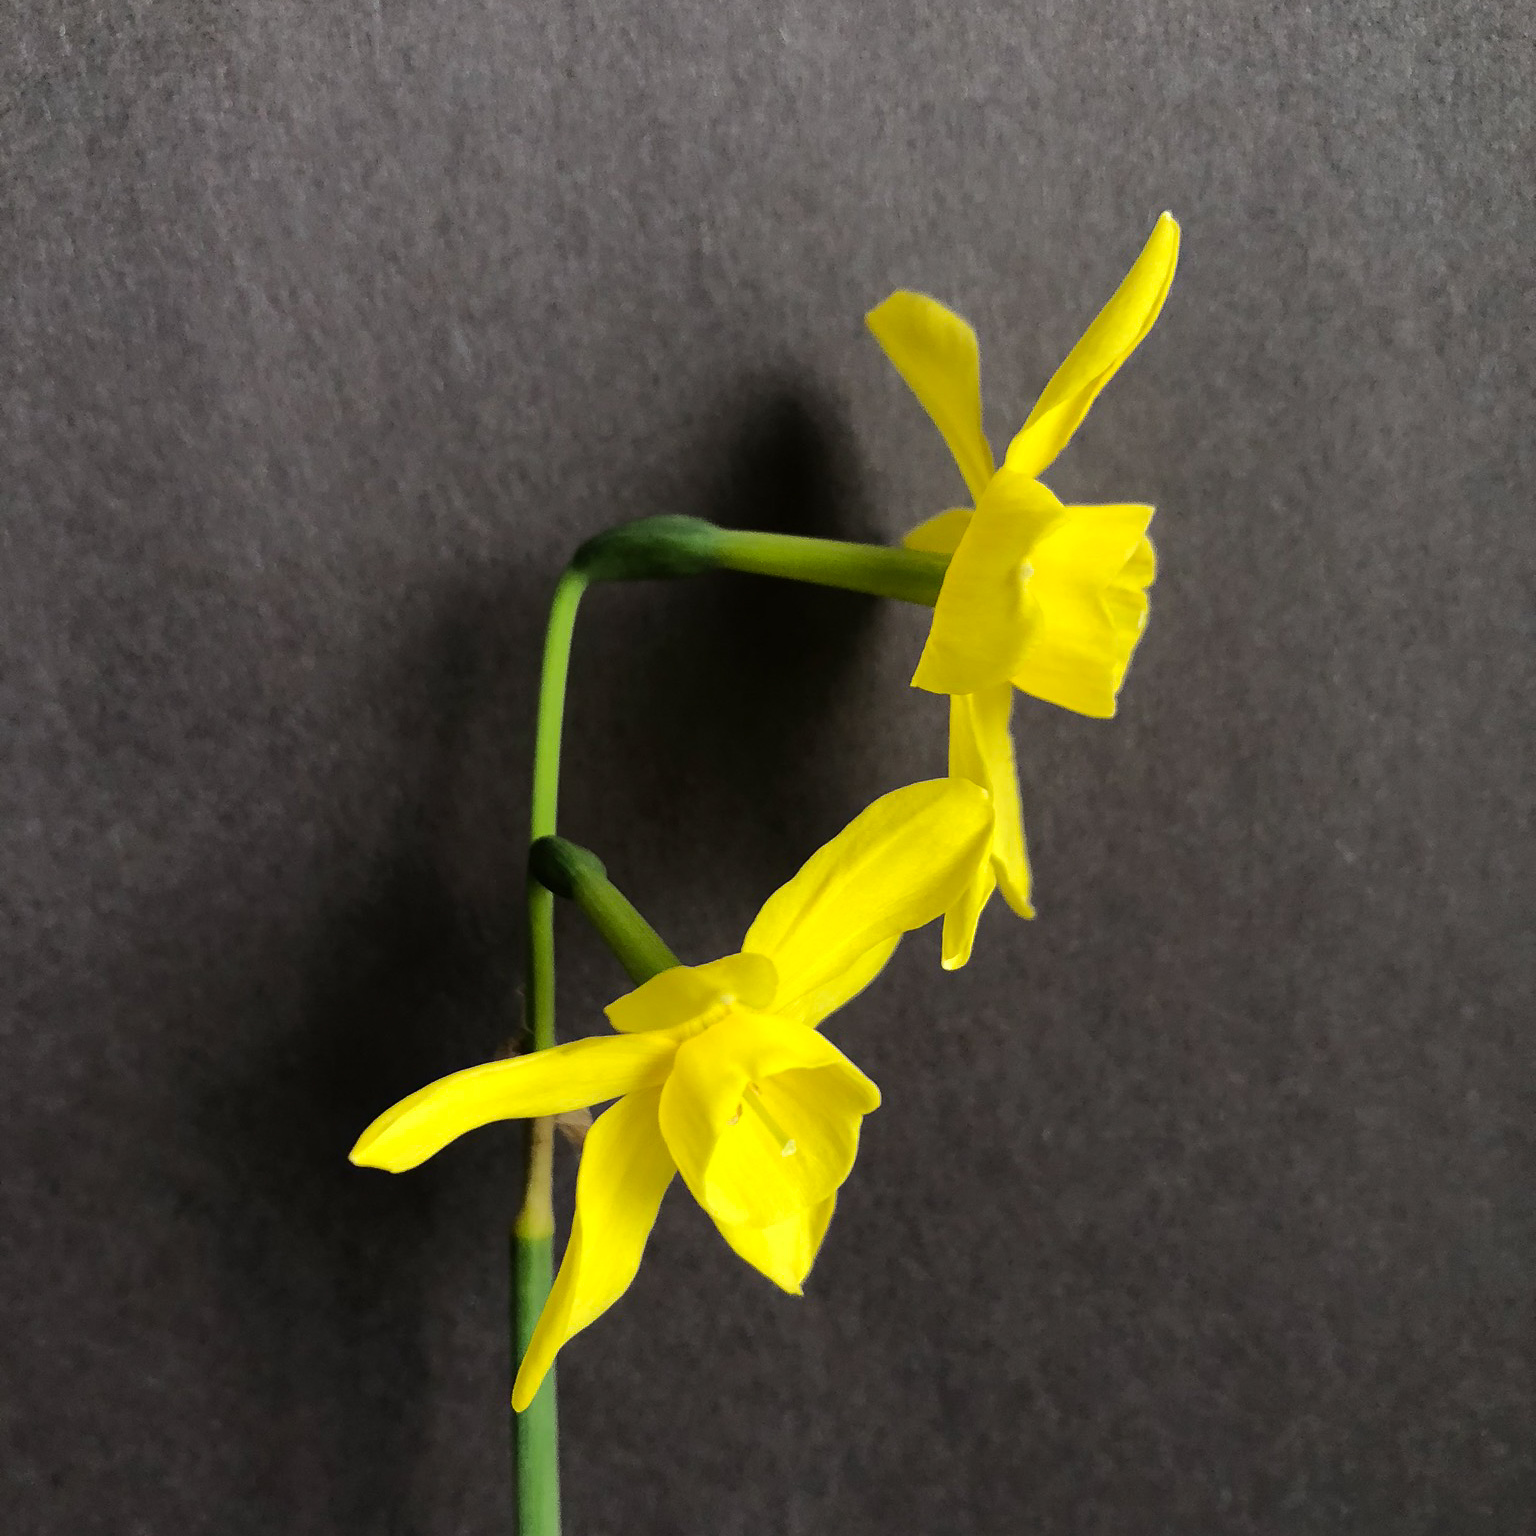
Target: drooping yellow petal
[786, 1252]
[1089, 585]
[1092, 363]
[684, 993]
[894, 867]
[941, 535]
[982, 619]
[625, 1170]
[762, 1118]
[570, 1076]
[959, 935]
[814, 1006]
[935, 351]
[981, 749]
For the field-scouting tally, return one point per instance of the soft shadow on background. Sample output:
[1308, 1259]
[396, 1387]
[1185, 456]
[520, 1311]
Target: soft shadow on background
[1199, 1204]
[731, 704]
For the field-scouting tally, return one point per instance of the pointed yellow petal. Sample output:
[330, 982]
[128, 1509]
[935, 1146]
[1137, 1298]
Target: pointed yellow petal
[682, 994]
[1092, 363]
[941, 535]
[981, 749]
[982, 619]
[625, 1170]
[935, 351]
[785, 1252]
[894, 867]
[1089, 583]
[814, 1006]
[570, 1076]
[959, 936]
[762, 1118]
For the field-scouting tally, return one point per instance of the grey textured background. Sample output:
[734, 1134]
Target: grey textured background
[1201, 1204]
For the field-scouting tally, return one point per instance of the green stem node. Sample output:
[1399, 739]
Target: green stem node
[576, 873]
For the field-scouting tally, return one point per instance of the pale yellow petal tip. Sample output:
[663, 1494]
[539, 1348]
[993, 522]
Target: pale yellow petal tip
[531, 1376]
[873, 316]
[899, 299]
[1017, 896]
[955, 951]
[371, 1152]
[940, 535]
[1163, 245]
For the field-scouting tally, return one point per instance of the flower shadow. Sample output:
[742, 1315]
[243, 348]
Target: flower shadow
[739, 715]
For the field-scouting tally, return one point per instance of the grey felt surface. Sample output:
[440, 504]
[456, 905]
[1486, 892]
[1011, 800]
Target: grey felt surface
[1199, 1205]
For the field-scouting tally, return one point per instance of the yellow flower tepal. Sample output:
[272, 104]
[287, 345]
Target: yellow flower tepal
[719, 1071]
[1039, 596]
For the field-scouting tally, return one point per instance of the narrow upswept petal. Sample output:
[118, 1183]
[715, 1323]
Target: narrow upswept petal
[1105, 345]
[935, 351]
[571, 1076]
[625, 1170]
[762, 1118]
[983, 616]
[894, 867]
[981, 749]
[817, 1004]
[1089, 583]
[686, 992]
[786, 1252]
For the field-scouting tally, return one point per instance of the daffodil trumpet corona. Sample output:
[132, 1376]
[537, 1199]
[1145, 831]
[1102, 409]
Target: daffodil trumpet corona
[718, 1072]
[1039, 596]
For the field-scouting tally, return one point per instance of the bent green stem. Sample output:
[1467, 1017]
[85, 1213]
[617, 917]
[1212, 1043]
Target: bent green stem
[536, 1456]
[648, 548]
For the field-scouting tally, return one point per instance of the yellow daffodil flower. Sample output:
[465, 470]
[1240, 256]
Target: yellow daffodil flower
[719, 1071]
[1046, 598]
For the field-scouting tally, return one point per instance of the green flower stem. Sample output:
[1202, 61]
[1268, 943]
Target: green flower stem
[536, 1434]
[648, 548]
[687, 546]
[572, 871]
[536, 1456]
[910, 575]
